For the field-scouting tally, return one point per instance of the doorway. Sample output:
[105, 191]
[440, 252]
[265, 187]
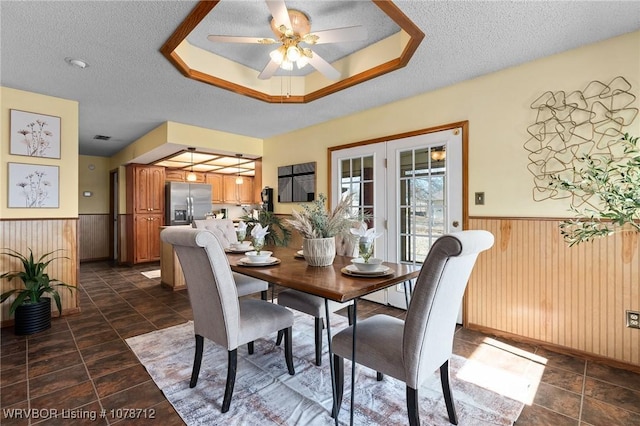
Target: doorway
[113, 216]
[412, 187]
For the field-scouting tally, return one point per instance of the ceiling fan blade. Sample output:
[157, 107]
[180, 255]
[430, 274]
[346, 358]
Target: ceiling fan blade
[324, 67]
[338, 35]
[269, 70]
[279, 12]
[234, 39]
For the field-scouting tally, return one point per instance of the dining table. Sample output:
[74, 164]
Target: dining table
[338, 282]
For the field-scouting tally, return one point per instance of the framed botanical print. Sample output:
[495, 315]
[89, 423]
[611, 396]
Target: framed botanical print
[33, 186]
[35, 135]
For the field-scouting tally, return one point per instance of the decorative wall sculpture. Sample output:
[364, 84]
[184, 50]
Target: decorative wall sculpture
[570, 126]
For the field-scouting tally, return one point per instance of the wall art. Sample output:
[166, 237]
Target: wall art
[297, 183]
[35, 135]
[33, 186]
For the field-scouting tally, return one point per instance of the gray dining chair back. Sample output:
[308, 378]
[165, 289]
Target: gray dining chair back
[218, 314]
[413, 349]
[225, 231]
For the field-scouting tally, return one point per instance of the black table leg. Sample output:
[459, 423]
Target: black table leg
[331, 365]
[353, 358]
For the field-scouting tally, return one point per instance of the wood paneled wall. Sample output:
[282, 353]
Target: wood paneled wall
[42, 236]
[94, 236]
[532, 284]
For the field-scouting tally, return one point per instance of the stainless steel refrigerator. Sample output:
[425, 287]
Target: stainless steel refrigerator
[186, 202]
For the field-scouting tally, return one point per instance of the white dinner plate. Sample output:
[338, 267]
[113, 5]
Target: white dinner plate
[299, 253]
[382, 270]
[270, 261]
[235, 250]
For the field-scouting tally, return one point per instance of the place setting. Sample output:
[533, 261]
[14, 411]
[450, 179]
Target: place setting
[262, 258]
[240, 247]
[371, 268]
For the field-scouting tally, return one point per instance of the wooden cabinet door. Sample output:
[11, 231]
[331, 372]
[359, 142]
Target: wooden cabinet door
[246, 191]
[147, 237]
[174, 175]
[215, 180]
[230, 190]
[148, 189]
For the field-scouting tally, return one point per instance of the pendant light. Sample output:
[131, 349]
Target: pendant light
[191, 177]
[239, 180]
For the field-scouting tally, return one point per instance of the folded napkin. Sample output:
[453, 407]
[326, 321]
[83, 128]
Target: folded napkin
[364, 233]
[242, 226]
[259, 232]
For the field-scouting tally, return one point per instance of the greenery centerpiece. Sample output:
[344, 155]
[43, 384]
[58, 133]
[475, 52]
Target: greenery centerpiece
[30, 300]
[279, 234]
[319, 227]
[609, 187]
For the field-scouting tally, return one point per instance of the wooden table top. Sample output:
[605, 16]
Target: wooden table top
[324, 281]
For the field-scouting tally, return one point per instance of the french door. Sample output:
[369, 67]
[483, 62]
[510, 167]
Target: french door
[412, 189]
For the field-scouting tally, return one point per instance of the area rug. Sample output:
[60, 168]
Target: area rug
[266, 394]
[151, 274]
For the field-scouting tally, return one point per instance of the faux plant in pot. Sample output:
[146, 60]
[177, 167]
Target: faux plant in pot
[33, 310]
[319, 227]
[607, 188]
[279, 235]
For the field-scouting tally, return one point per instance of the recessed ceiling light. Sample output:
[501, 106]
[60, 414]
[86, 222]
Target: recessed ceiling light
[78, 63]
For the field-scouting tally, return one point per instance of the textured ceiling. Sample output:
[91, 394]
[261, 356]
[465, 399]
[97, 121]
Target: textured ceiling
[129, 88]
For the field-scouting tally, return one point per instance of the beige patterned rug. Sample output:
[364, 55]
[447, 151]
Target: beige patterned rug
[266, 394]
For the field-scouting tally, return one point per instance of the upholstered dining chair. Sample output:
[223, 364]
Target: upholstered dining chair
[218, 314]
[411, 350]
[226, 233]
[314, 305]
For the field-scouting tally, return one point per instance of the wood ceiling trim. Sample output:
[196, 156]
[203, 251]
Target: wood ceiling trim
[204, 7]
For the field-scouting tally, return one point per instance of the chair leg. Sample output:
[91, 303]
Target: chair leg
[197, 360]
[379, 376]
[264, 295]
[446, 391]
[250, 348]
[412, 407]
[279, 338]
[350, 314]
[288, 350]
[338, 367]
[318, 335]
[231, 379]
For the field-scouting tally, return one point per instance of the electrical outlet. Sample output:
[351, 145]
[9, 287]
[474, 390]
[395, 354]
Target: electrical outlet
[633, 319]
[479, 198]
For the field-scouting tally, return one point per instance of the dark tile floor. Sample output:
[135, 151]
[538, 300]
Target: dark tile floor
[83, 367]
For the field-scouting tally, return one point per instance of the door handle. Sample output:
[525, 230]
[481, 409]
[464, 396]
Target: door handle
[455, 224]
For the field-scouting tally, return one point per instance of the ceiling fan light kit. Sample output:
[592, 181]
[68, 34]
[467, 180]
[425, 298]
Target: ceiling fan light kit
[292, 27]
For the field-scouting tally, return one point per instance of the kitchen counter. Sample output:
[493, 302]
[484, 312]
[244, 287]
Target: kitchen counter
[170, 270]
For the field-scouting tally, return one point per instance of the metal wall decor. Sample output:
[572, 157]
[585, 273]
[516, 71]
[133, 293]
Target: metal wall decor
[569, 126]
[297, 183]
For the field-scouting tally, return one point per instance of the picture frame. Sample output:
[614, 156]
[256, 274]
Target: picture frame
[34, 134]
[297, 183]
[33, 186]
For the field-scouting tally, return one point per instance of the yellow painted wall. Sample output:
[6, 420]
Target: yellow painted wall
[216, 140]
[93, 175]
[68, 163]
[497, 107]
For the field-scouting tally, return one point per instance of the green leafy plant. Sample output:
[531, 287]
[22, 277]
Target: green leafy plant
[315, 221]
[613, 187]
[35, 279]
[279, 234]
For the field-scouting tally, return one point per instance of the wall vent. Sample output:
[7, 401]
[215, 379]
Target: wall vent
[102, 137]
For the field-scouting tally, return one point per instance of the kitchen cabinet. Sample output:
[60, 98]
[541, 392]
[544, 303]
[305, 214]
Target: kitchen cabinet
[173, 175]
[147, 188]
[238, 194]
[147, 237]
[217, 188]
[145, 212]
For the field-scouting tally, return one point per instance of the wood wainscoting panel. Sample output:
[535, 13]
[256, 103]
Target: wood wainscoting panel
[94, 236]
[42, 236]
[532, 284]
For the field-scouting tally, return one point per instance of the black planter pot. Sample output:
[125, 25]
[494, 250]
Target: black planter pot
[33, 317]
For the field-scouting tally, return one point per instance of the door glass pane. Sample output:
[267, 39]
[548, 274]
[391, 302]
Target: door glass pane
[357, 178]
[422, 204]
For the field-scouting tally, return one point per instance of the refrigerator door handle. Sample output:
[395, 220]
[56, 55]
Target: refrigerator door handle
[190, 204]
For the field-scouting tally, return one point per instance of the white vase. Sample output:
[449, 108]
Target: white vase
[319, 251]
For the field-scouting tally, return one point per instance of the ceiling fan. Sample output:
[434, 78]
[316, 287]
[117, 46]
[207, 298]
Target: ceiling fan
[293, 30]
